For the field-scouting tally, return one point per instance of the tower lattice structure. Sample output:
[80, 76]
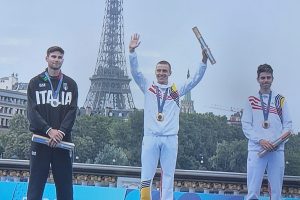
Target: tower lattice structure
[109, 88]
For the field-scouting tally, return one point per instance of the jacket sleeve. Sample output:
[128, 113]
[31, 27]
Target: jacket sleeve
[69, 119]
[286, 119]
[247, 124]
[37, 122]
[193, 81]
[136, 74]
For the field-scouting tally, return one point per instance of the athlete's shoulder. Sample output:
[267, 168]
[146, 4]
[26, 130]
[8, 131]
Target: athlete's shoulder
[39, 78]
[69, 79]
[70, 83]
[278, 95]
[253, 98]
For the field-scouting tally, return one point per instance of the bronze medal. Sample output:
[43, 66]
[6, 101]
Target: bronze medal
[160, 117]
[266, 110]
[266, 125]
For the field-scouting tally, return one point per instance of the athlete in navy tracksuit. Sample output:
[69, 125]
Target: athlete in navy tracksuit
[52, 105]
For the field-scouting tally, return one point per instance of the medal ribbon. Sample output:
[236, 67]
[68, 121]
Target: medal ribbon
[55, 93]
[160, 107]
[266, 110]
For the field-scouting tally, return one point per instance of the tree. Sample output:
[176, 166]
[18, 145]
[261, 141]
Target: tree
[292, 156]
[230, 156]
[84, 149]
[19, 124]
[97, 128]
[111, 155]
[199, 135]
[17, 141]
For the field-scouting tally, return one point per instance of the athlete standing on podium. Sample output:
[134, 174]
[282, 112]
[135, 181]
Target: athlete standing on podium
[265, 118]
[51, 110]
[161, 121]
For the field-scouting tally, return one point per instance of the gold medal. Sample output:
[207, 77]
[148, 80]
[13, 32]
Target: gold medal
[266, 125]
[160, 117]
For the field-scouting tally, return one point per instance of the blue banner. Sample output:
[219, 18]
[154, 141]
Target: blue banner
[18, 190]
[134, 195]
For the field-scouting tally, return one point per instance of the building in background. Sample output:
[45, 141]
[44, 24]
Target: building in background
[12, 83]
[13, 99]
[187, 104]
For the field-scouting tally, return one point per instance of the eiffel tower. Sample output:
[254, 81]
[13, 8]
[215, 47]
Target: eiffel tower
[109, 90]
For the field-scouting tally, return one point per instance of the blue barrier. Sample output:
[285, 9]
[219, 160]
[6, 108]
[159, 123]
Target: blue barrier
[134, 195]
[17, 191]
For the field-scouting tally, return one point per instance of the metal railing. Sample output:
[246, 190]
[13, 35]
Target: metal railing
[129, 171]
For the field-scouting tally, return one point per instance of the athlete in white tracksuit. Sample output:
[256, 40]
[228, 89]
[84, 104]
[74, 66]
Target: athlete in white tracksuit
[260, 135]
[160, 141]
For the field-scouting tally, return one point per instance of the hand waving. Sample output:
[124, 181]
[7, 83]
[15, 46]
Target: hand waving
[134, 42]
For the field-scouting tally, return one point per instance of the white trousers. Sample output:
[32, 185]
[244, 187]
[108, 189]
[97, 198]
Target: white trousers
[273, 163]
[163, 149]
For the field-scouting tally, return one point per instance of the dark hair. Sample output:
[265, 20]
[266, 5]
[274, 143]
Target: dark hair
[264, 68]
[55, 48]
[163, 62]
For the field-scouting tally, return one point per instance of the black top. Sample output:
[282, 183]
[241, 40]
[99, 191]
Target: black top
[45, 112]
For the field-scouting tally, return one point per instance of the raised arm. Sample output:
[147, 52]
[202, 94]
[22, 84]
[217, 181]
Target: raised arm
[134, 42]
[194, 80]
[134, 66]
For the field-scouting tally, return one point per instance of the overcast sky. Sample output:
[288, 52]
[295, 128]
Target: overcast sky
[240, 34]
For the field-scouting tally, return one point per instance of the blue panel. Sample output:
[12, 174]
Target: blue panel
[201, 196]
[17, 191]
[7, 190]
[98, 193]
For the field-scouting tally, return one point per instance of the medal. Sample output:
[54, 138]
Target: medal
[160, 106]
[160, 117]
[265, 124]
[54, 101]
[266, 110]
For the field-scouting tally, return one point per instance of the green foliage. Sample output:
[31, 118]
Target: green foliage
[199, 135]
[18, 146]
[95, 127]
[111, 155]
[127, 139]
[84, 149]
[206, 142]
[16, 142]
[18, 124]
[230, 156]
[292, 156]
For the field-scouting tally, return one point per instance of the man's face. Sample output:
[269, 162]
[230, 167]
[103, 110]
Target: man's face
[55, 60]
[265, 80]
[162, 73]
